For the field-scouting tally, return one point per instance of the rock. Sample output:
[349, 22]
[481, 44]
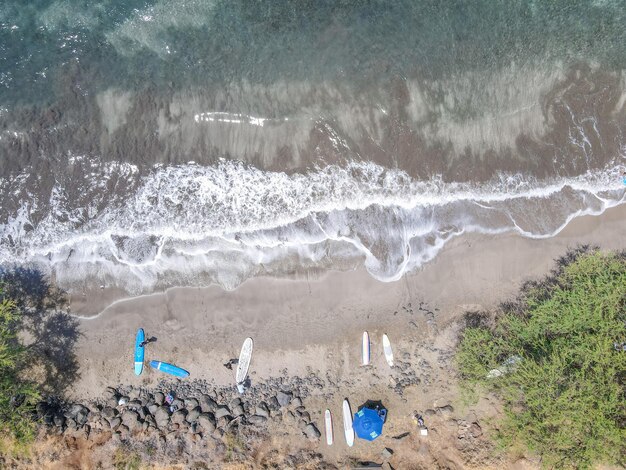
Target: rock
[238, 411]
[311, 431]
[262, 409]
[305, 415]
[475, 430]
[110, 392]
[159, 398]
[152, 408]
[284, 398]
[296, 402]
[76, 409]
[234, 402]
[223, 421]
[207, 404]
[81, 417]
[446, 410]
[115, 423]
[207, 421]
[273, 404]
[386, 466]
[221, 411]
[162, 417]
[257, 420]
[429, 412]
[301, 424]
[59, 421]
[386, 453]
[109, 412]
[130, 419]
[112, 402]
[193, 415]
[179, 416]
[191, 403]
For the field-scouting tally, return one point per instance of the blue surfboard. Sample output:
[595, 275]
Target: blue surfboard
[169, 369]
[139, 351]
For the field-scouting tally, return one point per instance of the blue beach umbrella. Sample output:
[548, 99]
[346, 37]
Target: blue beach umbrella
[368, 423]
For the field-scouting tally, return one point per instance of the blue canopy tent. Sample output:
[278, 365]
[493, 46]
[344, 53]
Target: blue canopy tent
[368, 423]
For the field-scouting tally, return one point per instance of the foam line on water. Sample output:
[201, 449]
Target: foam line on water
[196, 225]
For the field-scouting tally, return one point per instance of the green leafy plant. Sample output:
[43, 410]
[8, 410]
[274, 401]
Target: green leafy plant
[555, 359]
[17, 395]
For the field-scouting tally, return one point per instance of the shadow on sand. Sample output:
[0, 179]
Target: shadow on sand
[49, 333]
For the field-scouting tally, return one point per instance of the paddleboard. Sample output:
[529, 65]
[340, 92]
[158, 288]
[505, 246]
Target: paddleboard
[139, 351]
[347, 423]
[328, 420]
[244, 363]
[387, 350]
[169, 369]
[365, 349]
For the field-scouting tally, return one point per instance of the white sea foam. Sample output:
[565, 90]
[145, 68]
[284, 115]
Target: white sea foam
[195, 225]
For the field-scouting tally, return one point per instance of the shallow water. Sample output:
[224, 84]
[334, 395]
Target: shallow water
[151, 144]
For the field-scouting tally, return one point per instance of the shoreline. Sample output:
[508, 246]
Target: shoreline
[201, 328]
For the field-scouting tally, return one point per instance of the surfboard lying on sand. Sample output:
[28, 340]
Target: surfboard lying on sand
[347, 423]
[328, 422]
[139, 351]
[365, 349]
[387, 350]
[169, 369]
[244, 363]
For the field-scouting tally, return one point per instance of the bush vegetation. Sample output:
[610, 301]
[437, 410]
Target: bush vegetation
[554, 358]
[17, 396]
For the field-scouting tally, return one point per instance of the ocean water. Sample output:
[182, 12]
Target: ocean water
[149, 144]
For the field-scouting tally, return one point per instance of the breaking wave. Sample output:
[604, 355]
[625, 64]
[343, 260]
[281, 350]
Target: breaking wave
[144, 230]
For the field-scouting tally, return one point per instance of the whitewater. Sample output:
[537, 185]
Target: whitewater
[143, 230]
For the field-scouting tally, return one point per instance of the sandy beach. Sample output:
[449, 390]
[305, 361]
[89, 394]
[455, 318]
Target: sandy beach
[312, 327]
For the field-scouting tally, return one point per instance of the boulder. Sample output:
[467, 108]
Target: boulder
[207, 421]
[284, 398]
[475, 430]
[446, 410]
[311, 431]
[221, 411]
[112, 402]
[262, 409]
[207, 404]
[115, 423]
[159, 398]
[152, 408]
[179, 416]
[234, 402]
[162, 417]
[273, 404]
[191, 403]
[110, 392]
[386, 453]
[193, 415]
[305, 415]
[59, 421]
[296, 402]
[130, 419]
[238, 411]
[109, 412]
[257, 420]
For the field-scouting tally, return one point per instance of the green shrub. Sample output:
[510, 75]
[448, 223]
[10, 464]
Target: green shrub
[17, 396]
[552, 359]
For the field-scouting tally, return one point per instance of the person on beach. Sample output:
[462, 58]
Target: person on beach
[231, 362]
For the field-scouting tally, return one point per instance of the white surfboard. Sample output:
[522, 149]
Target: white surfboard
[244, 363]
[328, 420]
[365, 349]
[388, 351]
[347, 423]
